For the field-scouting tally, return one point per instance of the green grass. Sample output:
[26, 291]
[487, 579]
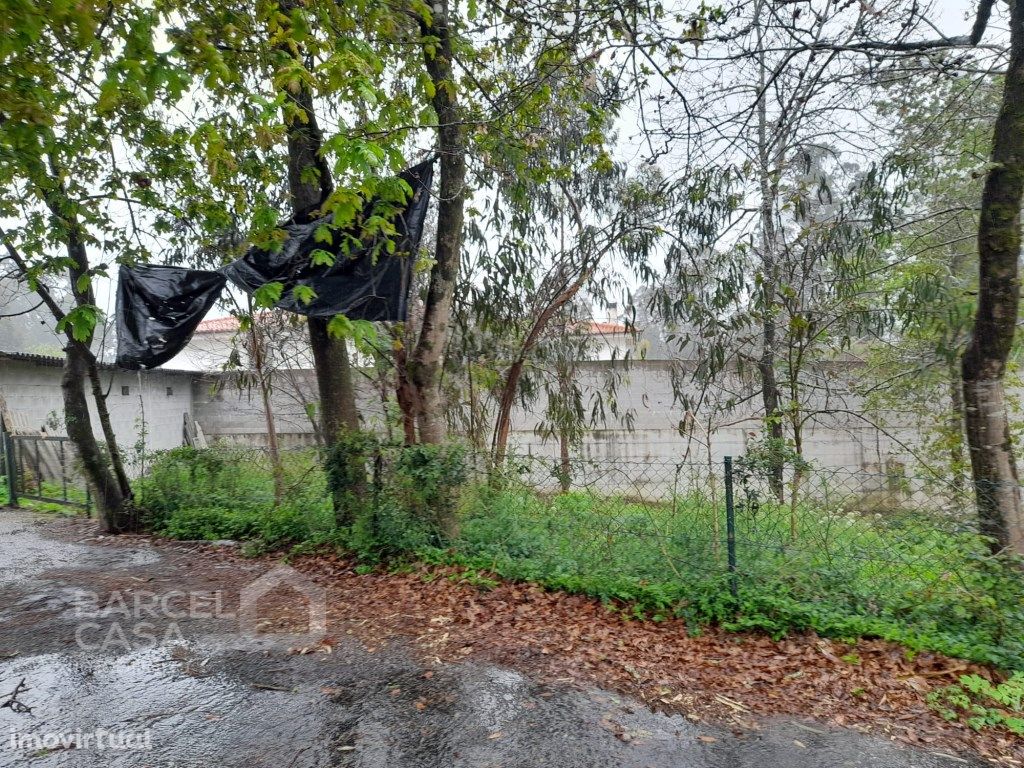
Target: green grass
[906, 577]
[75, 506]
[898, 577]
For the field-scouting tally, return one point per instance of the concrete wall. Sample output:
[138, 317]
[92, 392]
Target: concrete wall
[230, 409]
[652, 424]
[33, 395]
[649, 432]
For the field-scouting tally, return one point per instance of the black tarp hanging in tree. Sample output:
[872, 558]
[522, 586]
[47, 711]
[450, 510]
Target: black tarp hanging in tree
[363, 284]
[158, 308]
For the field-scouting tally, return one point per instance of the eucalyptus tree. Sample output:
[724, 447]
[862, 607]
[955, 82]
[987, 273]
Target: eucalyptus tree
[271, 74]
[516, 71]
[743, 91]
[86, 155]
[870, 41]
[557, 225]
[944, 140]
[984, 361]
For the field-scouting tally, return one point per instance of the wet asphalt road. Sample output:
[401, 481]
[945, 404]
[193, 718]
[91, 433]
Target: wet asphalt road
[188, 698]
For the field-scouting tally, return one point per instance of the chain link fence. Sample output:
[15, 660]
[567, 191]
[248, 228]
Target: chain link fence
[837, 550]
[843, 552]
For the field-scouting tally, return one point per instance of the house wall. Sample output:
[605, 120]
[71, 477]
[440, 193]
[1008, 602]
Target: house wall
[230, 409]
[649, 430]
[33, 395]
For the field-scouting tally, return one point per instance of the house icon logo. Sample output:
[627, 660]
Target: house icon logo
[303, 589]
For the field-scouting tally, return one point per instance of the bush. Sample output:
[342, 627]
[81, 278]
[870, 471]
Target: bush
[414, 500]
[228, 493]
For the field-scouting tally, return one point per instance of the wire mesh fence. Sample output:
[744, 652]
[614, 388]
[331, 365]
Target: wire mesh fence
[838, 550]
[845, 552]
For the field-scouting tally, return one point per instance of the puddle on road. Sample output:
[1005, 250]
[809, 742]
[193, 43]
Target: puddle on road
[27, 553]
[352, 709]
[187, 716]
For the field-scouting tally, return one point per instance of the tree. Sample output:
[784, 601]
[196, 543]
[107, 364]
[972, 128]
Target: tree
[943, 125]
[880, 39]
[83, 146]
[994, 467]
[274, 71]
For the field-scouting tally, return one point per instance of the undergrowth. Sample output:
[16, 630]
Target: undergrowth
[902, 576]
[982, 704]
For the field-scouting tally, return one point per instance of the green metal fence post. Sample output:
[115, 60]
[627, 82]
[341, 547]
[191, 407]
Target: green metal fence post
[730, 530]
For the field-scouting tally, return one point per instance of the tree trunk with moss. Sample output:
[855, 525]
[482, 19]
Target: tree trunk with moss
[994, 469]
[309, 186]
[428, 357]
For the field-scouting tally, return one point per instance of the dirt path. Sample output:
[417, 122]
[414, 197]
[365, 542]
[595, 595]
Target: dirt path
[192, 689]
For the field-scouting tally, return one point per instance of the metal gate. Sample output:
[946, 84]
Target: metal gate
[43, 468]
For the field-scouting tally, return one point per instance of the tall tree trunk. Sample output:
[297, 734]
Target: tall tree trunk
[515, 371]
[428, 357]
[259, 363]
[766, 363]
[406, 394]
[80, 365]
[309, 186]
[78, 273]
[99, 397]
[504, 421]
[110, 500]
[994, 469]
[769, 287]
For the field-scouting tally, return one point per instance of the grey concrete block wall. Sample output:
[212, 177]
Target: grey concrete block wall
[652, 425]
[157, 399]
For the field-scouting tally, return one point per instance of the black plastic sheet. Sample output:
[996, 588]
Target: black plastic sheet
[366, 283]
[158, 308]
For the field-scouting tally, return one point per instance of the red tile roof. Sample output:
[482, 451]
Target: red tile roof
[599, 329]
[218, 325]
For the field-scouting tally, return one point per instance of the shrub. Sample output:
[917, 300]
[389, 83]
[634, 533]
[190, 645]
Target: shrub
[983, 705]
[228, 493]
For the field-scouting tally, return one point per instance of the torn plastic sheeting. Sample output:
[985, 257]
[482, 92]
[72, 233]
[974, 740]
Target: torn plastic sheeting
[158, 309]
[363, 284]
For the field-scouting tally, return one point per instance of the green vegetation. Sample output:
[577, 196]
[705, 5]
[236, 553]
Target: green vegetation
[228, 493]
[77, 499]
[983, 705]
[900, 576]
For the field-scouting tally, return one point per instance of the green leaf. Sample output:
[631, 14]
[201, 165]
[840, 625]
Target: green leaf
[321, 258]
[81, 320]
[110, 96]
[323, 234]
[339, 327]
[268, 295]
[303, 294]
